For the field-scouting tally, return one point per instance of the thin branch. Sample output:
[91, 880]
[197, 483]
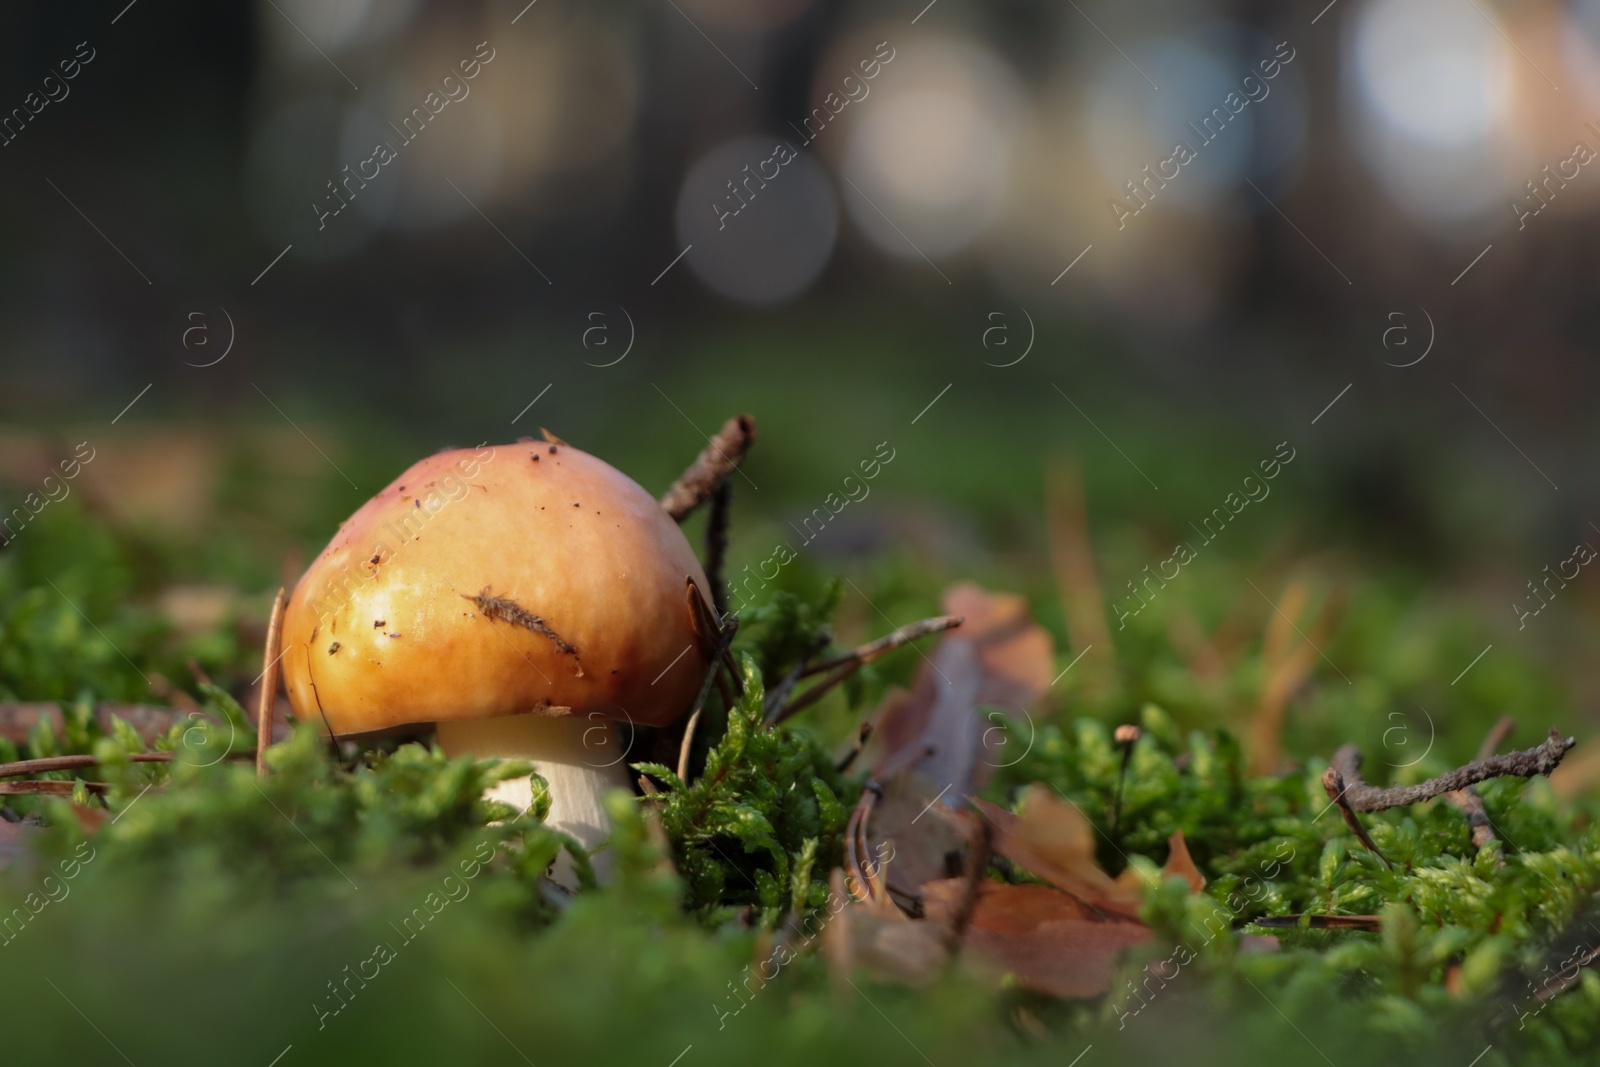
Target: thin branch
[717, 544]
[35, 787]
[1542, 759]
[1369, 923]
[863, 875]
[873, 649]
[729, 628]
[1469, 801]
[1334, 785]
[688, 743]
[977, 863]
[846, 665]
[47, 764]
[271, 655]
[778, 695]
[855, 750]
[715, 462]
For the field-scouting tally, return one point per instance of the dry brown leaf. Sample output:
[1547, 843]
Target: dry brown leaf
[1016, 654]
[920, 840]
[1051, 839]
[935, 746]
[882, 940]
[999, 656]
[1048, 940]
[1077, 583]
[1179, 862]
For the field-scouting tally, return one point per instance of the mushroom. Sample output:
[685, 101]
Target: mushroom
[520, 597]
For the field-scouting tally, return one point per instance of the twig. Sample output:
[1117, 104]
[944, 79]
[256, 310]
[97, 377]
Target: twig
[714, 463]
[47, 764]
[846, 665]
[778, 695]
[1334, 785]
[977, 862]
[1542, 759]
[873, 649]
[269, 681]
[729, 628]
[865, 880]
[1469, 801]
[855, 750]
[1369, 923]
[717, 544]
[35, 787]
[688, 742]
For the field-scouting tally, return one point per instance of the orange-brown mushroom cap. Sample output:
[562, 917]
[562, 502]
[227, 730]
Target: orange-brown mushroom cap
[525, 578]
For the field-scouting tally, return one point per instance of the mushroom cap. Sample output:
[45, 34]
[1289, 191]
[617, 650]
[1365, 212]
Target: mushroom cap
[513, 579]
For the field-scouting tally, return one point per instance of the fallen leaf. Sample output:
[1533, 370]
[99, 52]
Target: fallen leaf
[1180, 863]
[1048, 940]
[881, 939]
[1051, 839]
[935, 746]
[925, 846]
[1077, 583]
[1000, 657]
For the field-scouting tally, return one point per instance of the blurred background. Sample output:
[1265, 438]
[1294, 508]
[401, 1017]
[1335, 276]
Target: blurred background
[1096, 258]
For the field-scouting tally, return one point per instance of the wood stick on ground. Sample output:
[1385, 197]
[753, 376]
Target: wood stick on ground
[35, 787]
[47, 764]
[1541, 759]
[729, 628]
[271, 655]
[846, 665]
[1334, 785]
[862, 737]
[688, 741]
[717, 544]
[870, 651]
[861, 877]
[1369, 923]
[716, 461]
[976, 865]
[778, 695]
[1469, 802]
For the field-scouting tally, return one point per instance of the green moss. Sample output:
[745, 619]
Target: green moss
[232, 903]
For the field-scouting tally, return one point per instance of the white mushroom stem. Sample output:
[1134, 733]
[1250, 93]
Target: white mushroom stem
[578, 757]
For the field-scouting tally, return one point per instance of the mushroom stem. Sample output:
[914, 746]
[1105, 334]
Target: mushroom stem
[578, 757]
